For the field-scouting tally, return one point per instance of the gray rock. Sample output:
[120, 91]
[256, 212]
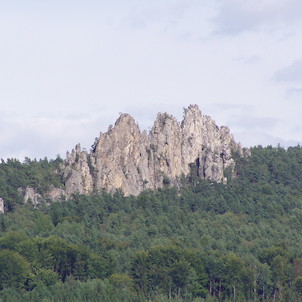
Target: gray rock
[30, 195]
[124, 158]
[1, 205]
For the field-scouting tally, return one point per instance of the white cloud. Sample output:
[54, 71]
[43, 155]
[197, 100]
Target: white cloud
[256, 138]
[294, 92]
[236, 16]
[39, 136]
[291, 73]
[68, 68]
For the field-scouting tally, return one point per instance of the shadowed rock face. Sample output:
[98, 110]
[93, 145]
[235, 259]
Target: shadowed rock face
[130, 160]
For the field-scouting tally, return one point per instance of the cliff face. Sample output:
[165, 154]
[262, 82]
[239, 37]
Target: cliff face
[126, 158]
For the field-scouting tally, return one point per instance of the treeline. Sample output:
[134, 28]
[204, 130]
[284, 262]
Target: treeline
[203, 242]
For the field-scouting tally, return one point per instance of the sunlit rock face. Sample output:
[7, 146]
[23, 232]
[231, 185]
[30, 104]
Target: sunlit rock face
[1, 205]
[124, 158]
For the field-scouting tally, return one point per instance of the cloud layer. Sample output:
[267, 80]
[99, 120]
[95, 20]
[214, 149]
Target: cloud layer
[69, 68]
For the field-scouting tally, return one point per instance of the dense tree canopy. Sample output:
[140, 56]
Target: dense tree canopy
[203, 241]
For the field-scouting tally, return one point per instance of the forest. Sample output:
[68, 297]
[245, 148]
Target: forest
[201, 241]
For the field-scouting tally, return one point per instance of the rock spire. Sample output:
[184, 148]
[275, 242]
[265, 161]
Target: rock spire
[124, 158]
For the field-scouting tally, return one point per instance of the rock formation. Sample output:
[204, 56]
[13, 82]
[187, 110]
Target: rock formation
[124, 158]
[30, 194]
[1, 205]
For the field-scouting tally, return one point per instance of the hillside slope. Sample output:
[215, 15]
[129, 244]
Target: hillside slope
[203, 241]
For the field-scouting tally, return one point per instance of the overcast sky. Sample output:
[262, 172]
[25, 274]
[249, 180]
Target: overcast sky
[69, 67]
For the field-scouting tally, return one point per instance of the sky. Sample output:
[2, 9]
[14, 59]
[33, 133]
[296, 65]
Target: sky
[69, 68]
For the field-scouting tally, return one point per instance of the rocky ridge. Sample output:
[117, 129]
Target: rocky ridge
[124, 158]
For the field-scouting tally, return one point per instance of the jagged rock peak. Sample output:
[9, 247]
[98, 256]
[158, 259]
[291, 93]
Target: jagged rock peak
[125, 119]
[192, 112]
[130, 160]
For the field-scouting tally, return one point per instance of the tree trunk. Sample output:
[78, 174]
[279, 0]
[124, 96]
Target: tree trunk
[219, 290]
[280, 292]
[275, 292]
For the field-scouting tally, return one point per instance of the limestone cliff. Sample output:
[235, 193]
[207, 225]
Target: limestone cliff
[130, 160]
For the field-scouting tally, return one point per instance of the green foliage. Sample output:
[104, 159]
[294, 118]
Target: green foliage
[162, 269]
[298, 285]
[14, 270]
[72, 291]
[37, 174]
[203, 241]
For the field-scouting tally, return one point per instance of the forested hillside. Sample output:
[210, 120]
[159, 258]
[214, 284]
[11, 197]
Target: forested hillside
[39, 174]
[201, 241]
